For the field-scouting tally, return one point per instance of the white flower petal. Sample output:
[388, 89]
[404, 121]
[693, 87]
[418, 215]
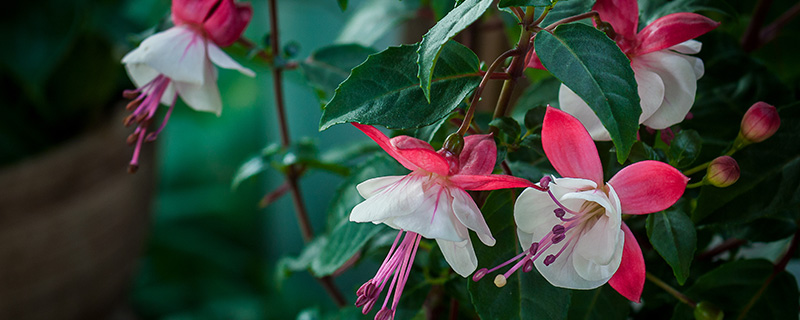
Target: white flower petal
[688, 47]
[140, 73]
[178, 53]
[372, 186]
[202, 97]
[533, 211]
[597, 242]
[460, 256]
[573, 104]
[400, 198]
[221, 59]
[433, 218]
[680, 85]
[595, 270]
[562, 273]
[651, 90]
[469, 215]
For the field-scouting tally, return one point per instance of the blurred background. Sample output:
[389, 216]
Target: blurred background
[80, 238]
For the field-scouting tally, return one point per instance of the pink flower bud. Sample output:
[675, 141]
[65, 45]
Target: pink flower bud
[222, 21]
[760, 122]
[722, 172]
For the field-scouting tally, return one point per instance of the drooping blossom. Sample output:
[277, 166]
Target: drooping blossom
[430, 202]
[573, 233]
[180, 62]
[665, 73]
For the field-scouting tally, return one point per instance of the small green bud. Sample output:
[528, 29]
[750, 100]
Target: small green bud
[707, 311]
[722, 172]
[454, 143]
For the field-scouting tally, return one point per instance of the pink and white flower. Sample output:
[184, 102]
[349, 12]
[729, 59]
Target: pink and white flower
[573, 233]
[429, 202]
[180, 62]
[665, 73]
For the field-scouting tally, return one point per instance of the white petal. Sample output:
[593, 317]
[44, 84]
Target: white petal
[688, 47]
[594, 270]
[533, 211]
[202, 97]
[467, 213]
[221, 59]
[372, 186]
[573, 104]
[433, 218]
[680, 84]
[562, 273]
[401, 198]
[597, 242]
[459, 255]
[140, 73]
[651, 90]
[178, 53]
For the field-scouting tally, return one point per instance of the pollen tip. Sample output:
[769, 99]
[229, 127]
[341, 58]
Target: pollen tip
[129, 94]
[558, 238]
[128, 120]
[132, 138]
[500, 281]
[528, 266]
[479, 274]
[549, 260]
[534, 247]
[133, 168]
[545, 182]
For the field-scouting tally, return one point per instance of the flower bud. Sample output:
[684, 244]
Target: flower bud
[722, 172]
[707, 311]
[454, 143]
[607, 29]
[759, 122]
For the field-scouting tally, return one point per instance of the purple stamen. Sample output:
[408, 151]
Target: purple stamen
[558, 229]
[534, 247]
[559, 212]
[549, 260]
[528, 266]
[544, 182]
[557, 238]
[479, 274]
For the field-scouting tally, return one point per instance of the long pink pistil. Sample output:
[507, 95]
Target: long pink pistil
[557, 235]
[397, 266]
[144, 105]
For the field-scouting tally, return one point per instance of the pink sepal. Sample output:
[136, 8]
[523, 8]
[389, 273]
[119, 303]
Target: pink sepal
[479, 154]
[672, 29]
[623, 15]
[488, 182]
[648, 186]
[569, 147]
[223, 21]
[534, 62]
[412, 153]
[629, 278]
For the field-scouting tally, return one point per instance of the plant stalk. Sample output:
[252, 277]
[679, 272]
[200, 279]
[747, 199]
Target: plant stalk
[669, 289]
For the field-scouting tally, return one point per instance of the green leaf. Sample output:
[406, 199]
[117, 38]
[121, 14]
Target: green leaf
[526, 295]
[685, 148]
[434, 41]
[254, 165]
[441, 8]
[508, 126]
[374, 18]
[567, 8]
[603, 303]
[523, 3]
[342, 4]
[731, 286]
[329, 66]
[673, 235]
[286, 266]
[642, 151]
[535, 117]
[592, 65]
[343, 242]
[382, 90]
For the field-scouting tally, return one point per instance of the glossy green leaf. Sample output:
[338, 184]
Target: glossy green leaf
[603, 303]
[383, 90]
[673, 236]
[433, 42]
[685, 148]
[526, 295]
[732, 286]
[329, 66]
[567, 8]
[254, 165]
[342, 4]
[441, 8]
[373, 19]
[344, 241]
[523, 3]
[508, 126]
[642, 151]
[535, 117]
[592, 65]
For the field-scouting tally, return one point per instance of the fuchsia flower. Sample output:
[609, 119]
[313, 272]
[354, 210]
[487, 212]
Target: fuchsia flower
[573, 233]
[665, 74]
[429, 202]
[180, 61]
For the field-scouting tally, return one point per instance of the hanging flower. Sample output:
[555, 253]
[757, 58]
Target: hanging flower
[573, 233]
[429, 202]
[665, 74]
[180, 62]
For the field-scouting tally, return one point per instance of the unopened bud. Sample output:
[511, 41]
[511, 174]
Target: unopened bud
[454, 143]
[607, 29]
[722, 172]
[707, 311]
[759, 122]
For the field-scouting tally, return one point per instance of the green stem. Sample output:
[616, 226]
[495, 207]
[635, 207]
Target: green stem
[669, 289]
[696, 169]
[696, 184]
[591, 14]
[477, 96]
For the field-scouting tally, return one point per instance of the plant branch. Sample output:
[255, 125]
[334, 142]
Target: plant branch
[778, 268]
[726, 245]
[292, 173]
[750, 39]
[516, 67]
[669, 289]
[771, 31]
[476, 97]
[590, 14]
